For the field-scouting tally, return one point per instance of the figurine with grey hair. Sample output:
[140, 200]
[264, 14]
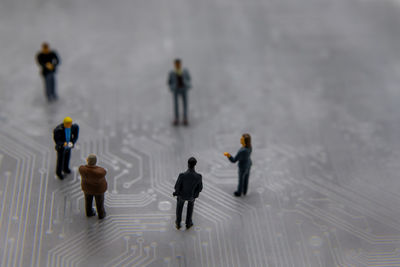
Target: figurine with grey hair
[93, 184]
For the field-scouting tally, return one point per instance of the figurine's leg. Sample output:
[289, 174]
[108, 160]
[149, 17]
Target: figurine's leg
[89, 205]
[246, 181]
[176, 106]
[189, 212]
[100, 205]
[179, 208]
[60, 161]
[47, 83]
[53, 86]
[184, 99]
[241, 180]
[67, 156]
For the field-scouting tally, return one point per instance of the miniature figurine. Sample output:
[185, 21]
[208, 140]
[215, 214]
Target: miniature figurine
[93, 184]
[187, 188]
[65, 136]
[179, 83]
[48, 60]
[243, 156]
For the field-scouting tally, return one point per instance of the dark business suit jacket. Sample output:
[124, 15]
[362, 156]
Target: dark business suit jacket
[59, 135]
[189, 185]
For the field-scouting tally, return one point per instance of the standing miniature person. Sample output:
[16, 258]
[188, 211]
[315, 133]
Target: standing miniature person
[65, 136]
[179, 84]
[243, 156]
[93, 184]
[48, 60]
[187, 188]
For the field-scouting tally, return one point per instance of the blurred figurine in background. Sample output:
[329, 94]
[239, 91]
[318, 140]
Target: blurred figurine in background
[65, 136]
[93, 184]
[187, 188]
[48, 60]
[179, 83]
[243, 156]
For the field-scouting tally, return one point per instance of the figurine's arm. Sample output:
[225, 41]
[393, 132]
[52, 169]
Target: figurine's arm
[169, 80]
[188, 75]
[57, 139]
[187, 78]
[40, 61]
[57, 59]
[76, 134]
[201, 185]
[178, 186]
[239, 156]
[199, 188]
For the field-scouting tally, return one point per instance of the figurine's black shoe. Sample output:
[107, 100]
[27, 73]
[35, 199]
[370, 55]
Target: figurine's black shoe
[67, 171]
[178, 226]
[60, 176]
[188, 225]
[175, 123]
[237, 194]
[91, 214]
[103, 216]
[185, 122]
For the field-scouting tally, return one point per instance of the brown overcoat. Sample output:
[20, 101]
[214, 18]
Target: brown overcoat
[93, 179]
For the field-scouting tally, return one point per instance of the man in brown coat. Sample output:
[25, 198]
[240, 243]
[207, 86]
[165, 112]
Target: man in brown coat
[94, 184]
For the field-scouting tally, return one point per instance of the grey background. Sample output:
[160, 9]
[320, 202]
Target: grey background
[315, 82]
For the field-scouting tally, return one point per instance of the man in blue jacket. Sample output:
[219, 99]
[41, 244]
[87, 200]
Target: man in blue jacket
[187, 188]
[179, 83]
[65, 136]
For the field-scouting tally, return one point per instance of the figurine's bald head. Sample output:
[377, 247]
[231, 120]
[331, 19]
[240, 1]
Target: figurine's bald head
[67, 122]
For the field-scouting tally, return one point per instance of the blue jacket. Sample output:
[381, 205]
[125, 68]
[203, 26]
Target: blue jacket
[59, 135]
[243, 156]
[173, 80]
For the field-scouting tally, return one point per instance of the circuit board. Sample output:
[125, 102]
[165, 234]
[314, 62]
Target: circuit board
[315, 83]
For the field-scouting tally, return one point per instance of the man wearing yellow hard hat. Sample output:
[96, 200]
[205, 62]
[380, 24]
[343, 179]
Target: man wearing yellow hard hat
[65, 136]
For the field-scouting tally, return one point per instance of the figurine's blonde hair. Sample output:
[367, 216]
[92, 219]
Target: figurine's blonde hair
[67, 120]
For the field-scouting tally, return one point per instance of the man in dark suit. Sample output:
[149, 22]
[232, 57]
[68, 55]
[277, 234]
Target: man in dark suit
[187, 188]
[48, 61]
[179, 83]
[65, 136]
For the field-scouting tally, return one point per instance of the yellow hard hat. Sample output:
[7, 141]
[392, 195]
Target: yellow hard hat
[67, 120]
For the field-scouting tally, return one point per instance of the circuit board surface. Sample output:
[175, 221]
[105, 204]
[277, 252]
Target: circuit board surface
[315, 82]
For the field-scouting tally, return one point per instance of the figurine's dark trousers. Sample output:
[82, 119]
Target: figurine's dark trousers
[189, 213]
[243, 180]
[50, 84]
[63, 157]
[180, 93]
[99, 205]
